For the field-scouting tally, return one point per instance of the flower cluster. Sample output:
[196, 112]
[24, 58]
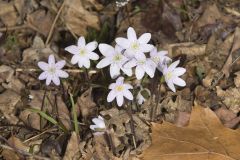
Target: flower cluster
[129, 54]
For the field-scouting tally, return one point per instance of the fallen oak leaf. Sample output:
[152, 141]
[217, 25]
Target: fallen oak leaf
[204, 138]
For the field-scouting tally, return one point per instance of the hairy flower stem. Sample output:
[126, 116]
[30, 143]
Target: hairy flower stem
[42, 106]
[129, 108]
[158, 96]
[87, 77]
[109, 139]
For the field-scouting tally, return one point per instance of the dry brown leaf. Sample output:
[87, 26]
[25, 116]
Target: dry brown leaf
[86, 105]
[8, 101]
[210, 16]
[204, 138]
[41, 20]
[8, 14]
[237, 79]
[230, 97]
[18, 144]
[228, 118]
[73, 149]
[77, 18]
[231, 58]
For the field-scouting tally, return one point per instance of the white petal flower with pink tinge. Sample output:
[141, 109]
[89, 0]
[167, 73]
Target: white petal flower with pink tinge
[114, 58]
[52, 71]
[119, 90]
[135, 47]
[171, 75]
[83, 53]
[143, 66]
[99, 124]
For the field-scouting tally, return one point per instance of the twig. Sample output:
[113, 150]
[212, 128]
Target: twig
[67, 70]
[132, 125]
[54, 23]
[13, 28]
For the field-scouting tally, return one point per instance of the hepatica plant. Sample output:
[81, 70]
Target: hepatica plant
[131, 56]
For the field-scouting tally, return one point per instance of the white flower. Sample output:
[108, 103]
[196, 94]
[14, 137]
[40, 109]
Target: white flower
[52, 71]
[99, 124]
[114, 58]
[119, 90]
[135, 48]
[143, 65]
[159, 58]
[83, 53]
[171, 75]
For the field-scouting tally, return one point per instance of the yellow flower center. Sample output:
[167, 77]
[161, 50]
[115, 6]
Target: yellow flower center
[156, 59]
[141, 62]
[52, 70]
[135, 46]
[169, 75]
[82, 52]
[119, 88]
[117, 57]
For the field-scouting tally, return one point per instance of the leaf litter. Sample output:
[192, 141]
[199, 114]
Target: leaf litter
[203, 35]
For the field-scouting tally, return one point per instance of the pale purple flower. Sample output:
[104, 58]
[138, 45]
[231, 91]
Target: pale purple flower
[160, 59]
[135, 47]
[143, 66]
[114, 58]
[171, 75]
[119, 90]
[83, 53]
[52, 71]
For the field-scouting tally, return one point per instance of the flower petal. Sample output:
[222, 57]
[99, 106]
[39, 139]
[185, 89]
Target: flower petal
[112, 86]
[173, 65]
[179, 71]
[119, 81]
[48, 80]
[131, 34]
[91, 46]
[149, 70]
[180, 82]
[93, 56]
[130, 64]
[60, 64]
[43, 65]
[127, 71]
[81, 42]
[51, 59]
[140, 56]
[43, 75]
[144, 38]
[92, 127]
[106, 49]
[146, 47]
[128, 94]
[62, 74]
[103, 63]
[56, 80]
[72, 49]
[114, 70]
[75, 59]
[111, 96]
[119, 100]
[86, 63]
[80, 64]
[153, 52]
[171, 86]
[128, 86]
[139, 72]
[123, 42]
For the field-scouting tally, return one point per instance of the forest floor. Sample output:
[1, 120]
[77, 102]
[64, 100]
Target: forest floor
[199, 121]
